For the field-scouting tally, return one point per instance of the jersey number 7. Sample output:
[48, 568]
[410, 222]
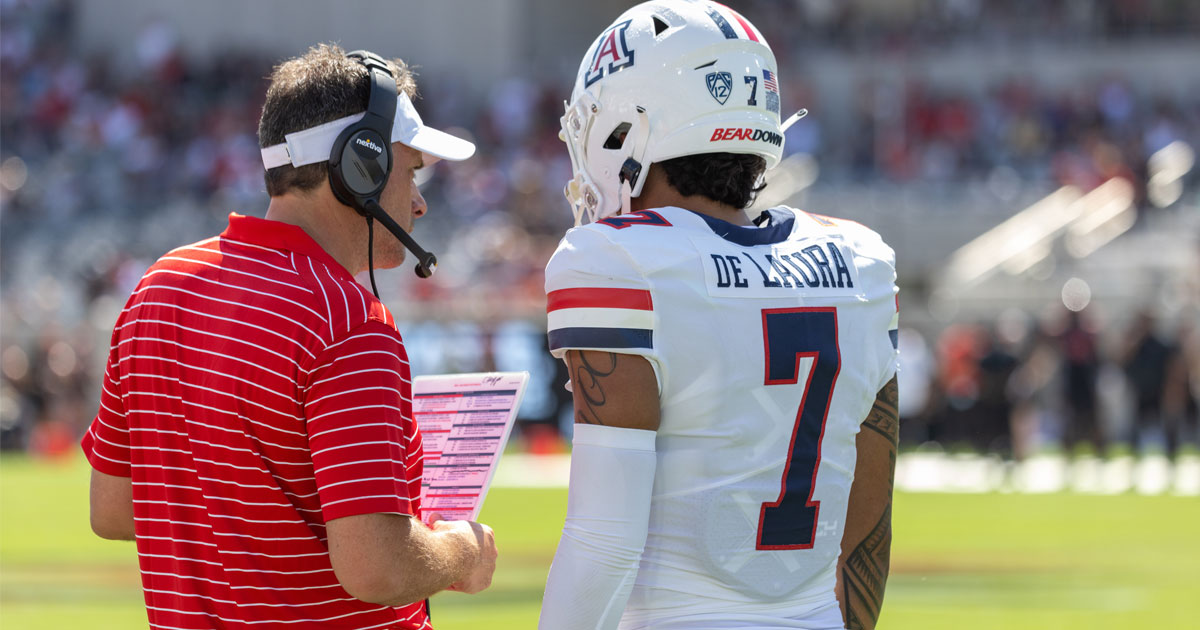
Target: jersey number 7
[789, 336]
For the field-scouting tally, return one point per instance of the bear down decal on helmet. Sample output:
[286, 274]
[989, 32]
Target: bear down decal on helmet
[668, 78]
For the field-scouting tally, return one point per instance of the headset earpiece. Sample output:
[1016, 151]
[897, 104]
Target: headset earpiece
[361, 159]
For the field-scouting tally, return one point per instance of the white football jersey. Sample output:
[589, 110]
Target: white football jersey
[770, 344]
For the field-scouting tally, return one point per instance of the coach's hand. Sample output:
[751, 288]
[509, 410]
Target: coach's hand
[482, 543]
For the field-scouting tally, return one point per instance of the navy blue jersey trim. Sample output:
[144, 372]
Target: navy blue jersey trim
[777, 232]
[601, 338]
[722, 23]
[895, 336]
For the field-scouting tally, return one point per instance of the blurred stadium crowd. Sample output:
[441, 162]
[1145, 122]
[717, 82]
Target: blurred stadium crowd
[101, 171]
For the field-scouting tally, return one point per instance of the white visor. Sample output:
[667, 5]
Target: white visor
[314, 144]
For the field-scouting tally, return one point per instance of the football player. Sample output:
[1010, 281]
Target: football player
[733, 376]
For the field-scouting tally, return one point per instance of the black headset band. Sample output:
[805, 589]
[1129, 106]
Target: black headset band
[355, 175]
[381, 102]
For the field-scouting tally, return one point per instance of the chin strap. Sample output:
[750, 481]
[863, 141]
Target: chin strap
[793, 119]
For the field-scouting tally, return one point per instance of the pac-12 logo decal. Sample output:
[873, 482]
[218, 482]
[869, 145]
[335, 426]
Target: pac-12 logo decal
[611, 54]
[720, 85]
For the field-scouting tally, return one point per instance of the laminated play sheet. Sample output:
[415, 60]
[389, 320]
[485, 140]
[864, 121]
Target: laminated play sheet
[465, 420]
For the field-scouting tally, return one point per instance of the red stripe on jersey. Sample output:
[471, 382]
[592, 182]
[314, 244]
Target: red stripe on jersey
[596, 297]
[254, 392]
[741, 20]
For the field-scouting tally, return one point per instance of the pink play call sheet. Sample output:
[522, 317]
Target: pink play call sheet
[465, 420]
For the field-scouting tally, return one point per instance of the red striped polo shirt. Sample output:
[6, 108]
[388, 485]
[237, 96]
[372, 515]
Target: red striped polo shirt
[255, 391]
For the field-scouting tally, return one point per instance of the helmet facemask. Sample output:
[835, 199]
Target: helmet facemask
[607, 150]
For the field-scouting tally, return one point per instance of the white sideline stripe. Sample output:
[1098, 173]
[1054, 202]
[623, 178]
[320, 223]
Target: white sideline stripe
[939, 472]
[599, 318]
[202, 296]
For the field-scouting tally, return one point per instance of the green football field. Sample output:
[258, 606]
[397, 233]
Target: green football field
[974, 562]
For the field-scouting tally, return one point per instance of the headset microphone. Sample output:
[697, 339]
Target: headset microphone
[426, 262]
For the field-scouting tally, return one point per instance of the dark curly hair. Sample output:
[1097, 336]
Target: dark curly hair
[729, 178]
[322, 85]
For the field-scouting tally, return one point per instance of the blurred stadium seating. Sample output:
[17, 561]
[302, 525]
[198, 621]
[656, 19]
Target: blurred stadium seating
[934, 122]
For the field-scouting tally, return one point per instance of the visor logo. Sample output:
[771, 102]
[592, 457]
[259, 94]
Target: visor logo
[369, 144]
[720, 85]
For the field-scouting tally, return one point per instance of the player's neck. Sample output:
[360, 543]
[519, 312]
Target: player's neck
[657, 192]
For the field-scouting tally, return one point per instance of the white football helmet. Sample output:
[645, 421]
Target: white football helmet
[668, 78]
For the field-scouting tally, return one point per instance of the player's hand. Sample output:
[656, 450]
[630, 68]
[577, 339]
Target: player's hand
[483, 543]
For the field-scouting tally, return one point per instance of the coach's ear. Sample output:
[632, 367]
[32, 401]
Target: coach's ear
[112, 506]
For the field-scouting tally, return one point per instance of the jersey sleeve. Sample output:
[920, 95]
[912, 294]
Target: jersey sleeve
[106, 443]
[881, 289]
[598, 299]
[366, 452]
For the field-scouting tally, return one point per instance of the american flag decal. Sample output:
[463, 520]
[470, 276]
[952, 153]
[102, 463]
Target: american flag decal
[772, 88]
[769, 81]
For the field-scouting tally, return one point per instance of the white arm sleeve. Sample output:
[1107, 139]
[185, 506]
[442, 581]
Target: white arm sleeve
[608, 512]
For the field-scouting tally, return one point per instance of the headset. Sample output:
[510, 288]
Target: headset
[361, 161]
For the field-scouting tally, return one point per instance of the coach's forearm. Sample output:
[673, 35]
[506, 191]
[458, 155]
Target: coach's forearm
[395, 560]
[867, 541]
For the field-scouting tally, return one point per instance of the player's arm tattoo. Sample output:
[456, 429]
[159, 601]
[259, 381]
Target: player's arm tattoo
[589, 382]
[864, 567]
[884, 417]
